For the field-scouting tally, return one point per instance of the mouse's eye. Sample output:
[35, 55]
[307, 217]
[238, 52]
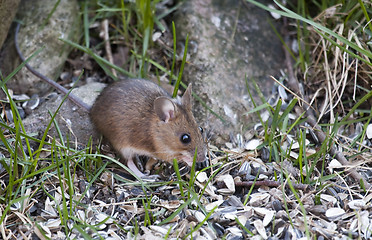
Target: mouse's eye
[201, 130]
[185, 138]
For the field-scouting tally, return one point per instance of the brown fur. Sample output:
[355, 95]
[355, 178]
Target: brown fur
[124, 113]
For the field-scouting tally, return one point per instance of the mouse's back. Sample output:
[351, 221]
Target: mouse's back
[121, 111]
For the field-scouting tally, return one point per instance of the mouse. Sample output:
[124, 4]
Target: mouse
[139, 118]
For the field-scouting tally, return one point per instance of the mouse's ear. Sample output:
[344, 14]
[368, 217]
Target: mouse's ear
[186, 99]
[164, 108]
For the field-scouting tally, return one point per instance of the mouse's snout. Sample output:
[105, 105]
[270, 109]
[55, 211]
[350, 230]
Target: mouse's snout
[202, 159]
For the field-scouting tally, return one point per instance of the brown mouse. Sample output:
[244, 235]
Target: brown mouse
[138, 117]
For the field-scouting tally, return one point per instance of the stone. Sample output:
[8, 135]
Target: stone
[8, 10]
[72, 120]
[228, 41]
[37, 31]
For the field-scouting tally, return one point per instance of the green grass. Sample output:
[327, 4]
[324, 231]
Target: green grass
[353, 16]
[350, 12]
[54, 165]
[66, 164]
[303, 36]
[135, 23]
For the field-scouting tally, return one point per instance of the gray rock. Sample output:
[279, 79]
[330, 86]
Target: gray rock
[228, 40]
[89, 92]
[8, 9]
[36, 32]
[72, 120]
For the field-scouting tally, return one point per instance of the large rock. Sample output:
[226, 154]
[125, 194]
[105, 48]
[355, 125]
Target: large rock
[40, 32]
[8, 9]
[72, 120]
[228, 41]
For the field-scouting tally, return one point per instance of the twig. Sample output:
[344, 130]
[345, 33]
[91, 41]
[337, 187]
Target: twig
[105, 35]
